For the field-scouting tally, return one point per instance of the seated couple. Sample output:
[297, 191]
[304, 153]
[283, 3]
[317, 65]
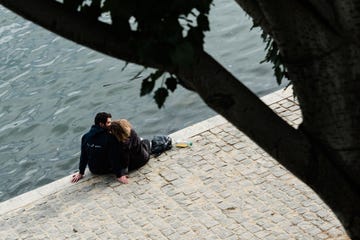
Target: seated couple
[112, 147]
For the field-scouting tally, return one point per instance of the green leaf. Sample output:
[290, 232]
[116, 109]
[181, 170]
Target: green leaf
[203, 22]
[196, 36]
[73, 4]
[156, 75]
[123, 9]
[273, 56]
[147, 86]
[160, 95]
[149, 82]
[204, 5]
[171, 83]
[93, 11]
[278, 74]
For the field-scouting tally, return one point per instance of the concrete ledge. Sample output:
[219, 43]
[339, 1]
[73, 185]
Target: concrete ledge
[277, 96]
[186, 133]
[198, 128]
[34, 195]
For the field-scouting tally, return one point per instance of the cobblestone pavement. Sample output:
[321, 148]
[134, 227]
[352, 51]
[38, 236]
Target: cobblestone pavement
[223, 187]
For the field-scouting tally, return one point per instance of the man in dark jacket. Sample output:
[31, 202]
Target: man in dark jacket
[98, 149]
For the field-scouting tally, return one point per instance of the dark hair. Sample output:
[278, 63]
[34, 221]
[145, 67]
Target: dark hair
[102, 117]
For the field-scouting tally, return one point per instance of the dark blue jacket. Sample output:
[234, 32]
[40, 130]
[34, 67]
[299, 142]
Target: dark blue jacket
[100, 151]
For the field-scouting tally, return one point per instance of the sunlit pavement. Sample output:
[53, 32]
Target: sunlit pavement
[223, 187]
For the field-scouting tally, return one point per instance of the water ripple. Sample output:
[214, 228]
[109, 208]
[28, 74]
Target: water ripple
[5, 39]
[61, 110]
[73, 93]
[17, 54]
[8, 27]
[8, 82]
[13, 124]
[47, 63]
[38, 48]
[95, 61]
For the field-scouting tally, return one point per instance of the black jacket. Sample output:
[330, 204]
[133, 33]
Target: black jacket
[134, 153]
[97, 151]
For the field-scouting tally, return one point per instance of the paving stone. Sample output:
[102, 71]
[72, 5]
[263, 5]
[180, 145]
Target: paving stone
[223, 187]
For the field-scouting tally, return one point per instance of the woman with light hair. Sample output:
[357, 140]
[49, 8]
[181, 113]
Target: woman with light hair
[135, 152]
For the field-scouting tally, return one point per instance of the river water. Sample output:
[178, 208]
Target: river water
[51, 89]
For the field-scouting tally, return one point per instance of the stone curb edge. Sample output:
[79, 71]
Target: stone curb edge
[186, 133]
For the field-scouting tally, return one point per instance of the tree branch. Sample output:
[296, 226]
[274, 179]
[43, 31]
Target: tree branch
[74, 26]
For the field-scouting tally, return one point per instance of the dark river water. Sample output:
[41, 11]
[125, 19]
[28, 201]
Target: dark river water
[51, 88]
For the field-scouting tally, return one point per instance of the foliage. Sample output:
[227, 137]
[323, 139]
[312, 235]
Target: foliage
[148, 83]
[273, 56]
[161, 93]
[169, 32]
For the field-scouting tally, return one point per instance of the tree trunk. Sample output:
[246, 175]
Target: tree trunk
[313, 164]
[319, 42]
[331, 129]
[328, 92]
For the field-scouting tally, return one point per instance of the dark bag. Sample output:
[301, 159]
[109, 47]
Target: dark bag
[160, 144]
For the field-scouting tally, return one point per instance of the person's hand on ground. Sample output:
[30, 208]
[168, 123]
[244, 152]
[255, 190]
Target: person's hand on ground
[76, 177]
[123, 179]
